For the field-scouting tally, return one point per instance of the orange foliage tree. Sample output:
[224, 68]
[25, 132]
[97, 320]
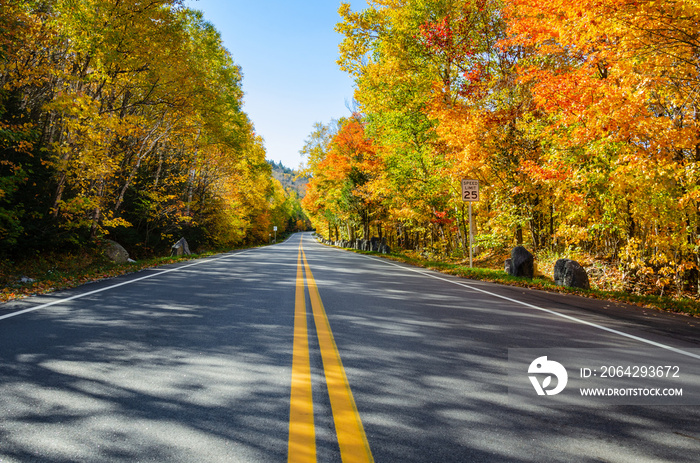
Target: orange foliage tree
[580, 119]
[340, 192]
[618, 83]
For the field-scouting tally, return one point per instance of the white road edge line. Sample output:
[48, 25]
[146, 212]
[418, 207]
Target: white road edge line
[542, 309]
[90, 293]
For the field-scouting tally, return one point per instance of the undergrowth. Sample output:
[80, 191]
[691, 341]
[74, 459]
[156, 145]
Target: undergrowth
[484, 270]
[46, 273]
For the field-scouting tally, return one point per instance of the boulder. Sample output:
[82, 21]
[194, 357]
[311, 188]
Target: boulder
[570, 273]
[508, 265]
[383, 247]
[522, 263]
[180, 248]
[116, 252]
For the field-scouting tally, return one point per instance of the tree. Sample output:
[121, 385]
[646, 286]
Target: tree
[395, 76]
[616, 80]
[107, 137]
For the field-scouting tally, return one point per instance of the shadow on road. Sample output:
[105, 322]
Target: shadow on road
[195, 366]
[190, 366]
[428, 363]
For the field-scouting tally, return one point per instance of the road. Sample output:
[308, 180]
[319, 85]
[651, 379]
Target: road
[319, 354]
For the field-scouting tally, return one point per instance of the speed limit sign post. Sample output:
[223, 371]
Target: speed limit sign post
[470, 193]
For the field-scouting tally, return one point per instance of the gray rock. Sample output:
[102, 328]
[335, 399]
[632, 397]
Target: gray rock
[523, 263]
[383, 247]
[508, 265]
[116, 252]
[570, 273]
[180, 248]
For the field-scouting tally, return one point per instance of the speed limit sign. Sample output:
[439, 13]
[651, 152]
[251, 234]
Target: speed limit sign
[470, 190]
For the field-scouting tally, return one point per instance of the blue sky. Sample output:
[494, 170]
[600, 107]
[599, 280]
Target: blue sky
[288, 52]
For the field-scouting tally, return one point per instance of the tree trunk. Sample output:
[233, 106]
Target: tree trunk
[97, 212]
[58, 196]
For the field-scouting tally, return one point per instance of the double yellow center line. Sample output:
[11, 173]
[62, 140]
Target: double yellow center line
[352, 440]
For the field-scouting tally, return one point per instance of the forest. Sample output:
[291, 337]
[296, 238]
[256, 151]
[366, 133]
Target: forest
[580, 120]
[123, 120]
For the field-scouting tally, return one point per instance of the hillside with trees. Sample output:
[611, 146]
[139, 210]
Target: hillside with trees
[290, 179]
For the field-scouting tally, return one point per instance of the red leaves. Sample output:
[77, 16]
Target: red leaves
[547, 172]
[473, 79]
[438, 36]
[441, 218]
[453, 37]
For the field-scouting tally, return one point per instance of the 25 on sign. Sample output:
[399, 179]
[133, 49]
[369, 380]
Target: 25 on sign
[470, 190]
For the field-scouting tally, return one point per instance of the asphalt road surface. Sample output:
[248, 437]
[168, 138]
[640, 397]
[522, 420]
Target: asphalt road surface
[302, 352]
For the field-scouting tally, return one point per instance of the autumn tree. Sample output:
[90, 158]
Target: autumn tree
[395, 76]
[617, 81]
[343, 169]
[109, 138]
